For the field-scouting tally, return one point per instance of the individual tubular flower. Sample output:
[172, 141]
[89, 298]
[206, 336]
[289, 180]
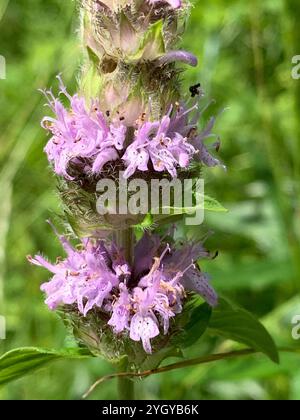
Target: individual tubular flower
[140, 300]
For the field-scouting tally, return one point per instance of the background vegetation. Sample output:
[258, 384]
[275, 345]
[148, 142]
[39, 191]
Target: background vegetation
[245, 50]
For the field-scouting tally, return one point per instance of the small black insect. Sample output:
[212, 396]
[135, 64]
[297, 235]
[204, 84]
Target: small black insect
[195, 90]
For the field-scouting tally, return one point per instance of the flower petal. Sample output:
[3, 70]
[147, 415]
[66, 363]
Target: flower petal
[181, 56]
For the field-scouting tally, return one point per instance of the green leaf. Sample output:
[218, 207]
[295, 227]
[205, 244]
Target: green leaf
[147, 223]
[156, 218]
[195, 325]
[93, 56]
[206, 203]
[211, 204]
[20, 362]
[155, 359]
[152, 44]
[235, 323]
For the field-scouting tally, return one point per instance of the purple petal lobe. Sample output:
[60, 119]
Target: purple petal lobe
[199, 282]
[144, 328]
[181, 56]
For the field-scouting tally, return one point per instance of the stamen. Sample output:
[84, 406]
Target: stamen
[170, 110]
[189, 111]
[62, 87]
[168, 249]
[188, 268]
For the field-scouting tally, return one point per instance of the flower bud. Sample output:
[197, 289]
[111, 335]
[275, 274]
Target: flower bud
[134, 30]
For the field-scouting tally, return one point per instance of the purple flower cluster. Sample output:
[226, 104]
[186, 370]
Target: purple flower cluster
[140, 299]
[84, 136]
[80, 136]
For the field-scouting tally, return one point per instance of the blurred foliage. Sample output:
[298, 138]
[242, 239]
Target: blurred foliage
[245, 51]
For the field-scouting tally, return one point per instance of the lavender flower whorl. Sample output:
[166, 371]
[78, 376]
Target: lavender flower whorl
[136, 300]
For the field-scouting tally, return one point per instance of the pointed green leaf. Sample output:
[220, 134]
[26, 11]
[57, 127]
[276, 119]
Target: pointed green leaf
[171, 213]
[235, 323]
[93, 56]
[211, 204]
[20, 362]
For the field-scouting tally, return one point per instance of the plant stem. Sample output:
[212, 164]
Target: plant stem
[125, 240]
[125, 384]
[125, 388]
[184, 364]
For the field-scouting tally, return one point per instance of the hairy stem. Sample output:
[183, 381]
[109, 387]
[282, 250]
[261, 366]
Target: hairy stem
[125, 241]
[125, 388]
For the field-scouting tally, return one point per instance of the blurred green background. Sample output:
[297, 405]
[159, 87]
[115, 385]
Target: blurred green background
[245, 51]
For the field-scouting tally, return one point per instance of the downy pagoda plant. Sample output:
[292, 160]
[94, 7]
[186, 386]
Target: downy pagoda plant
[128, 287]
